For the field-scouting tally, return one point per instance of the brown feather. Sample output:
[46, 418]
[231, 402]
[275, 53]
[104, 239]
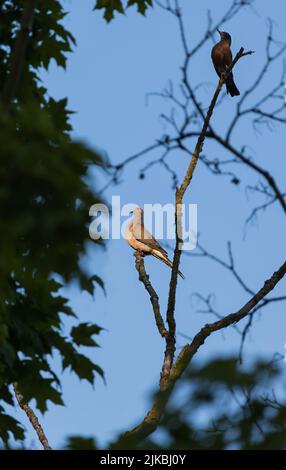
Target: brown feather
[144, 236]
[222, 58]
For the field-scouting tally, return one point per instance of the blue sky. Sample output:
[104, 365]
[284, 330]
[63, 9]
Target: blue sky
[108, 76]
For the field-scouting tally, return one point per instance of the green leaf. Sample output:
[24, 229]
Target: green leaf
[82, 366]
[10, 427]
[80, 443]
[82, 334]
[100, 371]
[99, 281]
[109, 6]
[87, 283]
[142, 5]
[33, 385]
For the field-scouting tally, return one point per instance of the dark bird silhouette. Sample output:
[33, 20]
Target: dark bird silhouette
[222, 58]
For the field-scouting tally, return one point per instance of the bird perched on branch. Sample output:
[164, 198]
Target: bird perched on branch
[142, 241]
[222, 58]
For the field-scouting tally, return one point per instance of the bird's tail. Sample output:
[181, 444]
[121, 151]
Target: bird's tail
[231, 87]
[165, 260]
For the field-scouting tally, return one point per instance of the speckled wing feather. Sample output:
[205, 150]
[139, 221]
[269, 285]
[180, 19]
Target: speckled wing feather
[144, 236]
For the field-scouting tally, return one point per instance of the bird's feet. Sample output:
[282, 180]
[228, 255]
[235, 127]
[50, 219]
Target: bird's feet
[139, 253]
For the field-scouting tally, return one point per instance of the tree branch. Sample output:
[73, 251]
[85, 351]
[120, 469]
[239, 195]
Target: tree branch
[230, 266]
[269, 178]
[171, 339]
[18, 54]
[144, 278]
[32, 417]
[152, 419]
[185, 129]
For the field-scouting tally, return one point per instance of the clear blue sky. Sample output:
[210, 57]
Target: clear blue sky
[106, 81]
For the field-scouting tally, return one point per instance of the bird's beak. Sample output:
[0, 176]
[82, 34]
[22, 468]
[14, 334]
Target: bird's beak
[219, 32]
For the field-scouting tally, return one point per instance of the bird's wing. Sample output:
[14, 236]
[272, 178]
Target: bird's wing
[221, 56]
[144, 236]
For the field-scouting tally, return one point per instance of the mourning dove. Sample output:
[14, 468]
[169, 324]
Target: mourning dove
[142, 241]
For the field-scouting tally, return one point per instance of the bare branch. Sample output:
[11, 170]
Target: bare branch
[144, 278]
[269, 178]
[32, 417]
[152, 419]
[171, 337]
[269, 60]
[230, 266]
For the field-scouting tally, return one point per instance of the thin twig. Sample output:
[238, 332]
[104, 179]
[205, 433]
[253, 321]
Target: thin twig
[32, 417]
[144, 278]
[269, 178]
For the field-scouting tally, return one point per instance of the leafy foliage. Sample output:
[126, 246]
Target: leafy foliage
[112, 6]
[142, 5]
[10, 425]
[80, 443]
[44, 202]
[82, 334]
[222, 406]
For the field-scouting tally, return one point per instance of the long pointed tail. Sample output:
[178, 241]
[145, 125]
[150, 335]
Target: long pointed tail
[165, 260]
[231, 87]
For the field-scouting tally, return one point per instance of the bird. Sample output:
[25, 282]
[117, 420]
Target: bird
[222, 58]
[141, 240]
